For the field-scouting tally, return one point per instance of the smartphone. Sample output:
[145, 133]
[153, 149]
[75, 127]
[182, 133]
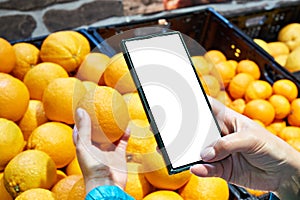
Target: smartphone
[178, 110]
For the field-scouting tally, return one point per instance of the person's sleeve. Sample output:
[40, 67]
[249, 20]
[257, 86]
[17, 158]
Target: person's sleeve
[108, 192]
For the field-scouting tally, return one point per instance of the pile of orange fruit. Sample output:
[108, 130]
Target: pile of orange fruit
[41, 88]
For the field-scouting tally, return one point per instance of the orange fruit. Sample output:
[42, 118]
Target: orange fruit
[78, 191]
[53, 137]
[214, 56]
[258, 89]
[295, 143]
[73, 167]
[163, 195]
[62, 188]
[238, 85]
[226, 71]
[286, 88]
[108, 113]
[205, 188]
[157, 174]
[289, 132]
[39, 77]
[210, 85]
[92, 67]
[7, 56]
[278, 48]
[137, 186]
[289, 34]
[27, 56]
[37, 194]
[135, 106]
[293, 60]
[60, 98]
[260, 109]
[276, 126]
[60, 175]
[117, 75]
[141, 140]
[281, 105]
[14, 97]
[29, 169]
[259, 122]
[3, 192]
[294, 116]
[224, 97]
[249, 67]
[234, 64]
[238, 105]
[11, 141]
[202, 66]
[256, 193]
[33, 117]
[281, 59]
[89, 85]
[66, 48]
[263, 44]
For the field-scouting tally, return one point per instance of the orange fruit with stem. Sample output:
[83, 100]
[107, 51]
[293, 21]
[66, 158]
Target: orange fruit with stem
[286, 88]
[205, 188]
[214, 56]
[117, 75]
[157, 174]
[11, 142]
[289, 132]
[281, 105]
[137, 186]
[135, 106]
[29, 169]
[53, 137]
[39, 77]
[163, 194]
[238, 85]
[78, 191]
[249, 67]
[108, 112]
[38, 194]
[294, 116]
[27, 56]
[63, 187]
[66, 48]
[258, 89]
[33, 117]
[60, 98]
[14, 97]
[7, 56]
[260, 109]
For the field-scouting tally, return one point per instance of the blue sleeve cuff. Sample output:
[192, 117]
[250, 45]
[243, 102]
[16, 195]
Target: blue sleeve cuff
[108, 192]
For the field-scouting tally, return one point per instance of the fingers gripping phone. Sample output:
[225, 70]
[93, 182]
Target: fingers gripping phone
[174, 100]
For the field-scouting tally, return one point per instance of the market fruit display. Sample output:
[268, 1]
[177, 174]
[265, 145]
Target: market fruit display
[39, 109]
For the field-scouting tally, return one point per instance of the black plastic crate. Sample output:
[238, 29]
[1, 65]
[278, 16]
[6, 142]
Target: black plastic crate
[37, 41]
[208, 28]
[265, 22]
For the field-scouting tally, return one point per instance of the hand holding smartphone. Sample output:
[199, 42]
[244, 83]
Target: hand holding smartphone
[173, 97]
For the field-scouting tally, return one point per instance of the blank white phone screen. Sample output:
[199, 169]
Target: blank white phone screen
[172, 90]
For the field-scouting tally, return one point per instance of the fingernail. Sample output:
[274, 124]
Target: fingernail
[208, 154]
[79, 112]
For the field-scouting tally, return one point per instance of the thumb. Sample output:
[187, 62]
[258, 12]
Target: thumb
[227, 145]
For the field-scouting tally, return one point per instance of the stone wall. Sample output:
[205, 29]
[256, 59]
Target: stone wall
[20, 19]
